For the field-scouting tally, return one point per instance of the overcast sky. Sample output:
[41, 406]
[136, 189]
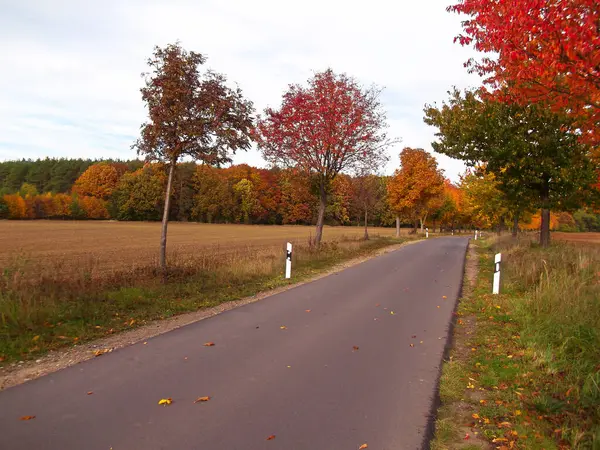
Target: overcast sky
[70, 78]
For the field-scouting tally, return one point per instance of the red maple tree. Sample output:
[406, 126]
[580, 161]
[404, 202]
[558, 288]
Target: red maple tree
[330, 126]
[546, 51]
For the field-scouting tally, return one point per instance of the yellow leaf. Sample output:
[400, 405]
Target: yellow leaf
[475, 416]
[131, 322]
[35, 338]
[283, 327]
[209, 344]
[412, 345]
[202, 399]
[444, 297]
[486, 421]
[438, 306]
[500, 440]
[27, 418]
[392, 313]
[517, 412]
[165, 401]
[362, 447]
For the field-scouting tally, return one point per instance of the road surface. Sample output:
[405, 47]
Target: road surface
[347, 360]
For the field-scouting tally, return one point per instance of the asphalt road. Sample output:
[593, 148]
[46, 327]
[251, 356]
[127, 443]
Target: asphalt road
[306, 384]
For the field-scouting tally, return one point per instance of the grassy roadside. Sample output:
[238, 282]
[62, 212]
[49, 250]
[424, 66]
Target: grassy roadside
[524, 372]
[51, 311]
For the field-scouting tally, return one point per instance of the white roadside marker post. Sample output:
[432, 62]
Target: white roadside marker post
[426, 233]
[288, 261]
[475, 234]
[497, 260]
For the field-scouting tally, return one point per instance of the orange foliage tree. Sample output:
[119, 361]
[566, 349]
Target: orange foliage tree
[415, 189]
[99, 180]
[17, 208]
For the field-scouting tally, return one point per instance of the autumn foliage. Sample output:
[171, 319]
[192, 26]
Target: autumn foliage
[416, 188]
[543, 51]
[330, 126]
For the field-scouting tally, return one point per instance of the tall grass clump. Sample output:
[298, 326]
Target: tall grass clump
[558, 307]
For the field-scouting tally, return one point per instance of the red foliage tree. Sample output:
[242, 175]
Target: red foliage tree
[330, 126]
[547, 51]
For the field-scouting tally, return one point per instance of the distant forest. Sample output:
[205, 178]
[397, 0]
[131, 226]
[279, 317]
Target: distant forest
[134, 190]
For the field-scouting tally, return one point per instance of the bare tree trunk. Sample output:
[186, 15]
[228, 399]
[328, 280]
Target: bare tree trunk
[545, 224]
[321, 216]
[165, 222]
[366, 226]
[397, 226]
[545, 228]
[515, 230]
[423, 220]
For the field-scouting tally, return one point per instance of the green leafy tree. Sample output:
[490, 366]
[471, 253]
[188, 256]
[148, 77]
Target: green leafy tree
[534, 154]
[189, 115]
[139, 194]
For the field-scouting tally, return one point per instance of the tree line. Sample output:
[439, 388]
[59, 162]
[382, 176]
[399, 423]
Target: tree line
[417, 196]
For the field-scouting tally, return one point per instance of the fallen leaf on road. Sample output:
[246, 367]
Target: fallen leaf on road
[475, 416]
[131, 322]
[355, 348]
[412, 345]
[209, 344]
[438, 306]
[466, 436]
[392, 313]
[307, 310]
[145, 343]
[420, 342]
[90, 393]
[444, 297]
[202, 399]
[27, 418]
[165, 401]
[377, 305]
[362, 447]
[270, 438]
[283, 327]
[35, 338]
[414, 336]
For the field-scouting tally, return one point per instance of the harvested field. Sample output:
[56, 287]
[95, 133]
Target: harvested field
[593, 238]
[112, 246]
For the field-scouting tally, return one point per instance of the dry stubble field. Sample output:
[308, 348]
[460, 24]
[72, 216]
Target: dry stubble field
[113, 246]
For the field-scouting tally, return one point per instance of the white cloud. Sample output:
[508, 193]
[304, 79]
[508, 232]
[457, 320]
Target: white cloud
[71, 78]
